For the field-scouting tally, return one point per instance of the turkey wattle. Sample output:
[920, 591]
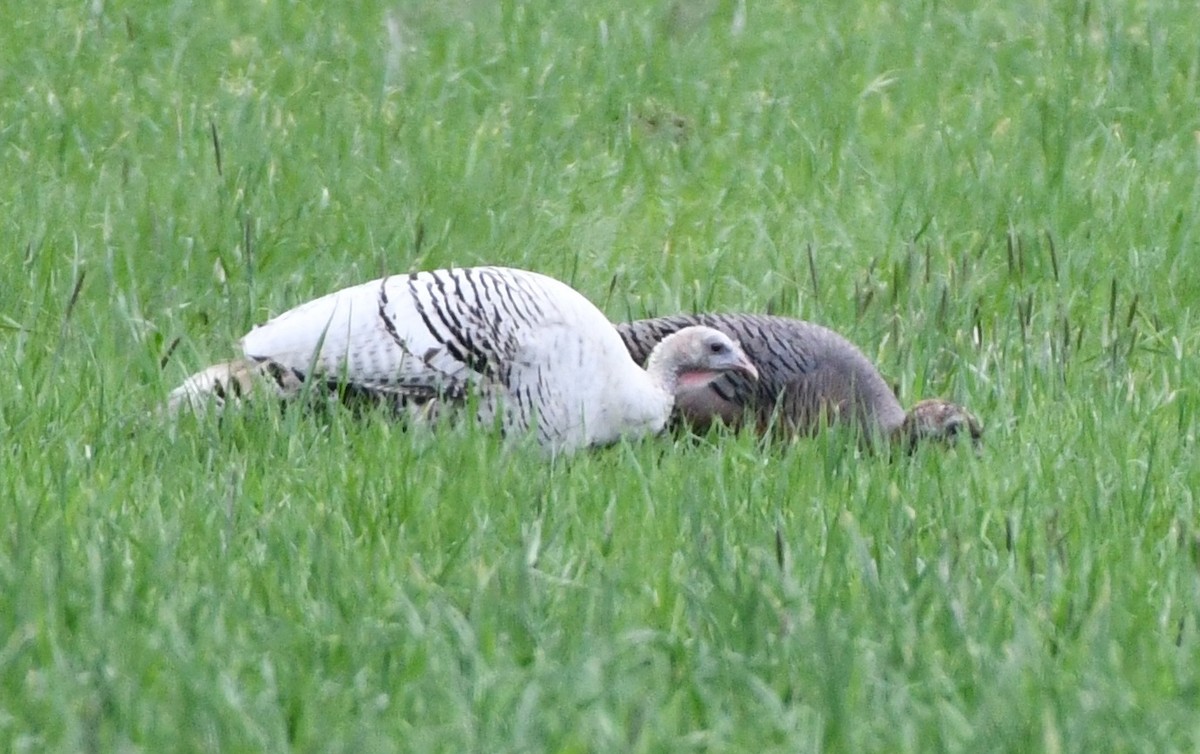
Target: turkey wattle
[536, 353]
[807, 375]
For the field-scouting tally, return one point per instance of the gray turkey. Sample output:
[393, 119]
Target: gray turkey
[537, 355]
[807, 375]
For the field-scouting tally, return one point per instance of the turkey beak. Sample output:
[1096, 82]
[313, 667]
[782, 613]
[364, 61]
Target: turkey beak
[746, 368]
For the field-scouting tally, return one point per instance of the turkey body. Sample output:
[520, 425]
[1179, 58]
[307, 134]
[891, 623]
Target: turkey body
[535, 354]
[808, 375]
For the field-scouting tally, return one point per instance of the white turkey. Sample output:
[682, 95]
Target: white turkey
[807, 375]
[535, 353]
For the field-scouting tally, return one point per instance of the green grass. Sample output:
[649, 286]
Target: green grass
[999, 204]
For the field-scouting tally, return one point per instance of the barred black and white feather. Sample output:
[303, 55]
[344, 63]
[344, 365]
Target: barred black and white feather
[537, 355]
[808, 375]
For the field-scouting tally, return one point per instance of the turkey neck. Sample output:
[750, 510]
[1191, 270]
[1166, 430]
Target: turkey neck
[664, 365]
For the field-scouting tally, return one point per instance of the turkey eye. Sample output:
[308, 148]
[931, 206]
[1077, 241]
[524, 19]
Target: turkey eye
[716, 348]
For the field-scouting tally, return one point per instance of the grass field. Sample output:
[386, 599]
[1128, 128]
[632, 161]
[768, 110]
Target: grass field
[999, 204]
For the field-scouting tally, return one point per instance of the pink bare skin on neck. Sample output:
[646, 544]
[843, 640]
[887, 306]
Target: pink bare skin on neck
[695, 379]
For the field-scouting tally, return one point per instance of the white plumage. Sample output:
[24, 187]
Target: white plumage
[535, 351]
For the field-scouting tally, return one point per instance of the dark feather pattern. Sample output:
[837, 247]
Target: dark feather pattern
[809, 375]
